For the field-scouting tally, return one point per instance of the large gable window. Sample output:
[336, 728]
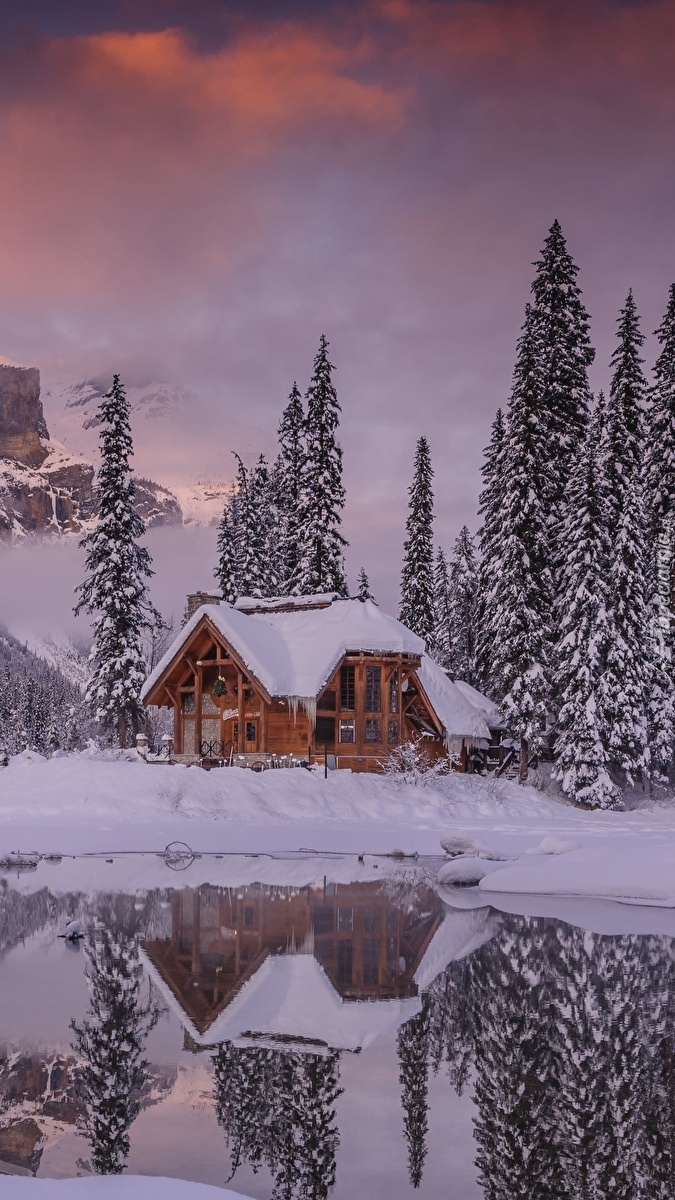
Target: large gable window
[348, 688]
[374, 689]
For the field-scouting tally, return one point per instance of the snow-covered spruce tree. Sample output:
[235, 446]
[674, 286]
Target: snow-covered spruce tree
[417, 578]
[292, 464]
[582, 765]
[659, 473]
[261, 559]
[626, 679]
[110, 1040]
[462, 602]
[115, 589]
[321, 565]
[413, 1074]
[227, 569]
[363, 586]
[523, 588]
[438, 644]
[491, 548]
[566, 354]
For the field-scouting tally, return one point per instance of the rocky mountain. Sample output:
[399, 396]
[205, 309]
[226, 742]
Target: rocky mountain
[44, 489]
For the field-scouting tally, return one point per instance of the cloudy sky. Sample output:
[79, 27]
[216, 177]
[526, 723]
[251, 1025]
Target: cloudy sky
[199, 188]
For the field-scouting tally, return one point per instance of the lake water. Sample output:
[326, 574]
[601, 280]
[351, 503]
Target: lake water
[328, 1027]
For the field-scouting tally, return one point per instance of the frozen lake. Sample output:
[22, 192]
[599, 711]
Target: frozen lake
[314, 1026]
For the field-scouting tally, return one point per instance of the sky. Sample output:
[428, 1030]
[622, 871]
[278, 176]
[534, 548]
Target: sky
[197, 190]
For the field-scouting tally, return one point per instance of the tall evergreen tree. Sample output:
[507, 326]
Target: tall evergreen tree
[626, 678]
[462, 603]
[111, 1039]
[490, 541]
[115, 590]
[417, 578]
[321, 566]
[582, 764]
[262, 526]
[227, 569]
[439, 642]
[523, 587]
[292, 465]
[566, 355]
[414, 1079]
[660, 545]
[363, 586]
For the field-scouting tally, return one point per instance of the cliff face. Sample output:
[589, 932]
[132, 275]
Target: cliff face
[22, 423]
[45, 490]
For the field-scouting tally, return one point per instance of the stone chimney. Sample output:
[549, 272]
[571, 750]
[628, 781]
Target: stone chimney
[196, 599]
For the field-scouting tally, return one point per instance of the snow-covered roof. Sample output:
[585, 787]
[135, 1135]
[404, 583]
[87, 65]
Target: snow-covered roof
[459, 717]
[293, 652]
[291, 996]
[489, 708]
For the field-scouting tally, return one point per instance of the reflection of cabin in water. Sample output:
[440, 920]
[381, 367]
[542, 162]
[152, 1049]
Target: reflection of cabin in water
[266, 960]
[307, 677]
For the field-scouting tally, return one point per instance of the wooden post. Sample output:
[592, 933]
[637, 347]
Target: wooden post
[198, 708]
[241, 729]
[263, 725]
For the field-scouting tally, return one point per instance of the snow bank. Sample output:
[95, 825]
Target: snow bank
[112, 1187]
[80, 803]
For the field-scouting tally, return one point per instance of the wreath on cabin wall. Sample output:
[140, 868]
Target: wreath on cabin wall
[220, 687]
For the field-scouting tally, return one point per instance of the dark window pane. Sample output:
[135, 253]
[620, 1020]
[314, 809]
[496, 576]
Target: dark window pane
[344, 964]
[373, 689]
[373, 729]
[325, 731]
[370, 949]
[249, 915]
[327, 700]
[392, 733]
[393, 692]
[347, 688]
[322, 918]
[250, 731]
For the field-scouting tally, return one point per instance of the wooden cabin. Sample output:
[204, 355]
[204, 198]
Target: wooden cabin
[310, 678]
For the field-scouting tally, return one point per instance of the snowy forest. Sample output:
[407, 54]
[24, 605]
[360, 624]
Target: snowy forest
[560, 607]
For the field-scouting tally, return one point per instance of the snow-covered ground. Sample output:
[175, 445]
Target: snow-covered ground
[83, 803]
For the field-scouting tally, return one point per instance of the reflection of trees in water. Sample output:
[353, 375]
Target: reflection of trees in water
[110, 1041]
[569, 1038]
[278, 1107]
[413, 1051]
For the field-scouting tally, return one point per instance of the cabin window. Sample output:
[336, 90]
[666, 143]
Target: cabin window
[344, 963]
[373, 689]
[347, 689]
[325, 731]
[369, 920]
[373, 729]
[370, 957]
[249, 916]
[327, 700]
[393, 692]
[188, 702]
[345, 920]
[348, 730]
[392, 733]
[250, 731]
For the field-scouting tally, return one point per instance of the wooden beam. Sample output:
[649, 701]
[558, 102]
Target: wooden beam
[241, 731]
